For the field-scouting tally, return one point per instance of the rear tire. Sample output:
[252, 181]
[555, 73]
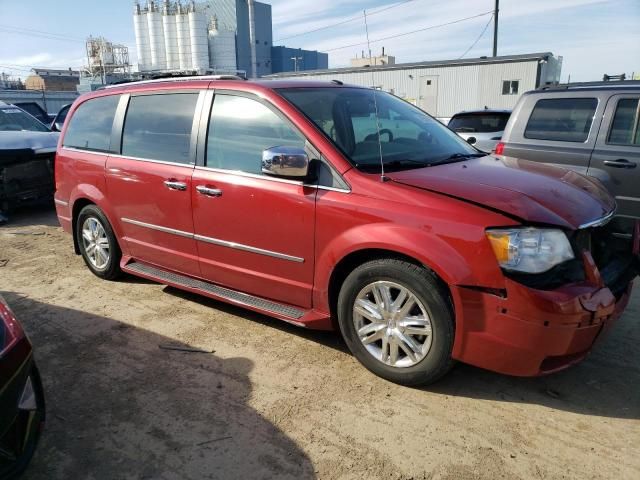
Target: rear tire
[98, 244]
[397, 320]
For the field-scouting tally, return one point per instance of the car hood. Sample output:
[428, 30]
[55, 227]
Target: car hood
[39, 142]
[531, 191]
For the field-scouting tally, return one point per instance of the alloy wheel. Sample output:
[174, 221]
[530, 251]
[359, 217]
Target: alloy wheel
[96, 243]
[392, 324]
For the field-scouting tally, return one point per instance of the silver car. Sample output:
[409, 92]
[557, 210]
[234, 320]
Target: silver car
[592, 128]
[481, 128]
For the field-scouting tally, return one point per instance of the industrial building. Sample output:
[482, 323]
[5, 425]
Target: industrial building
[52, 80]
[107, 63]
[213, 36]
[445, 87]
[286, 59]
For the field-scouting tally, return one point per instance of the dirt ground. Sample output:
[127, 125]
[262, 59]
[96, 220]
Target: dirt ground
[276, 401]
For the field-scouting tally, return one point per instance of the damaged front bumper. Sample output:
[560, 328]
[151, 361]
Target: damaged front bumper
[525, 331]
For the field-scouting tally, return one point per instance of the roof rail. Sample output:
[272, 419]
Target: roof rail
[578, 85]
[177, 79]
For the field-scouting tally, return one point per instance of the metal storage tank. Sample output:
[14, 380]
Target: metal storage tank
[183, 38]
[222, 48]
[142, 38]
[170, 37]
[156, 37]
[198, 36]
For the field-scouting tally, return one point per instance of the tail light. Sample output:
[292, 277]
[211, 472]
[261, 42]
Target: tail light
[10, 329]
[500, 148]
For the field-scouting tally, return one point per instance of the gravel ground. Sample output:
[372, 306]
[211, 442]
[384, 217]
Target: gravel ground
[276, 401]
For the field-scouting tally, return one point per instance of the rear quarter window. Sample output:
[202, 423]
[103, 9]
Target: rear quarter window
[561, 119]
[158, 127]
[91, 124]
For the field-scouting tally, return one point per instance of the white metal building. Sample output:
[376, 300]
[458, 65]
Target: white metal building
[443, 88]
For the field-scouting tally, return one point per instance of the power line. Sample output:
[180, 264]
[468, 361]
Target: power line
[484, 30]
[411, 32]
[13, 68]
[353, 19]
[38, 33]
[42, 34]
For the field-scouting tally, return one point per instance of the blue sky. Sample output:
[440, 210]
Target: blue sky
[593, 36]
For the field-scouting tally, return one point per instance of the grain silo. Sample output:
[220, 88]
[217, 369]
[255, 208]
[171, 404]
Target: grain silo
[170, 36]
[198, 35]
[176, 36]
[156, 37]
[183, 37]
[222, 47]
[142, 37]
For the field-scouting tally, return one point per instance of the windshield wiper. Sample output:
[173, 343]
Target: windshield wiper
[395, 164]
[458, 157]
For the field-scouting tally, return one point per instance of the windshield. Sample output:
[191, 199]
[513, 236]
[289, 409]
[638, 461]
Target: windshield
[409, 137]
[12, 119]
[479, 122]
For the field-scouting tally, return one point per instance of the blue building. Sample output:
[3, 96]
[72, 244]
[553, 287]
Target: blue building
[286, 59]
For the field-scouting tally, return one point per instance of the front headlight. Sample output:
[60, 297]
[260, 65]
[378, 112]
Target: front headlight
[530, 250]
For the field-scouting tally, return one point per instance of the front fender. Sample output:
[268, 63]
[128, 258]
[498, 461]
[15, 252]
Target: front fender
[466, 259]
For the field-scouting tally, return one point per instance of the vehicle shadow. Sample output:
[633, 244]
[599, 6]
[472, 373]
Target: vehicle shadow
[331, 339]
[118, 406]
[607, 383]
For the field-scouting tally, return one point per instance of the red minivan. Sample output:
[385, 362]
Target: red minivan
[335, 206]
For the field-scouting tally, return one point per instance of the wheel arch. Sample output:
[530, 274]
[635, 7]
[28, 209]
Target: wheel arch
[86, 194]
[354, 259]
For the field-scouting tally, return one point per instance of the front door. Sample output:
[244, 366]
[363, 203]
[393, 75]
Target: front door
[149, 184]
[616, 157]
[254, 233]
[429, 94]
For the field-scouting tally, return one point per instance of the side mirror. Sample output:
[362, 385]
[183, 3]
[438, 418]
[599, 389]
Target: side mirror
[56, 126]
[285, 162]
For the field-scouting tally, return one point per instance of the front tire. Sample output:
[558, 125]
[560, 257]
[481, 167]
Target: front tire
[397, 321]
[98, 244]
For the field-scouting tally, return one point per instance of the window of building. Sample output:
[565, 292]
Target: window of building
[240, 129]
[510, 87]
[90, 126]
[561, 119]
[625, 129]
[158, 127]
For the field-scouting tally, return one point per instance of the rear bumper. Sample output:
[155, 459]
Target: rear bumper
[532, 332]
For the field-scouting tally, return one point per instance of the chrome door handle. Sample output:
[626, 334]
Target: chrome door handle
[208, 191]
[620, 163]
[173, 185]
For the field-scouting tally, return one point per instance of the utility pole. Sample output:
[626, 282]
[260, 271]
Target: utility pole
[495, 28]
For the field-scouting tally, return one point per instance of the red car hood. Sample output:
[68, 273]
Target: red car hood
[534, 192]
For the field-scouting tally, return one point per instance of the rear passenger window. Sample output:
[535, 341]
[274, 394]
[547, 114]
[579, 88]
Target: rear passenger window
[240, 129]
[158, 127]
[624, 128]
[90, 126]
[561, 119]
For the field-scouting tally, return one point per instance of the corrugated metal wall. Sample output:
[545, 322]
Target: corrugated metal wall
[464, 87]
[50, 101]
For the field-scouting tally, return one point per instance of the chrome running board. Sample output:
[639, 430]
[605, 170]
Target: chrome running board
[233, 296]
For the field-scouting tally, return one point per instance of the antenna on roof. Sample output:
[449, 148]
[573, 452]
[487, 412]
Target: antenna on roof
[375, 102]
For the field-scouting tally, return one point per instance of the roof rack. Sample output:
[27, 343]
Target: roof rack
[177, 79]
[604, 84]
